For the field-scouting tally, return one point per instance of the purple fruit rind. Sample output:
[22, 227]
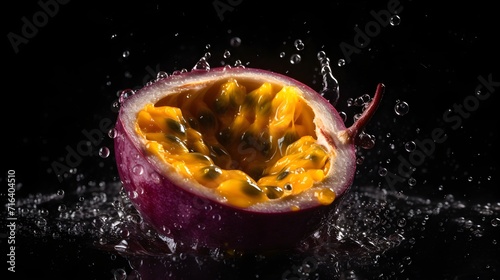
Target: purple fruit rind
[197, 221]
[176, 213]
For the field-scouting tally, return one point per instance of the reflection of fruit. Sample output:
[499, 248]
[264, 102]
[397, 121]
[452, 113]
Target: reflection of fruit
[235, 158]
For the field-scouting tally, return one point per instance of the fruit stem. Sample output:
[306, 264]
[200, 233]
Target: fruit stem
[355, 129]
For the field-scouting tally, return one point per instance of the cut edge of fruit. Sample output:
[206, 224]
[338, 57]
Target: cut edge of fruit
[308, 198]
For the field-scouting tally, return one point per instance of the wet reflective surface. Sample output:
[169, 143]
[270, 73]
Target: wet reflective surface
[424, 204]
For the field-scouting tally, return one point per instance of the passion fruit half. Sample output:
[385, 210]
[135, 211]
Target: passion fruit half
[235, 158]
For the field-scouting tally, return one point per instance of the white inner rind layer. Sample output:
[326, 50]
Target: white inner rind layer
[327, 120]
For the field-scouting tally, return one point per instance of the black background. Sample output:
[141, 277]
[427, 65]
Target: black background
[65, 79]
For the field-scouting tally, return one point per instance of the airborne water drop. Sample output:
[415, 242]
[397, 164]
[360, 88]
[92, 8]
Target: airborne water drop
[104, 152]
[395, 20]
[299, 45]
[401, 108]
[295, 58]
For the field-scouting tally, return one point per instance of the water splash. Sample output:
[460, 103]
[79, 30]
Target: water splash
[330, 88]
[367, 224]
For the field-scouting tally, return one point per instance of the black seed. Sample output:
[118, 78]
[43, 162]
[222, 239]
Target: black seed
[207, 120]
[282, 175]
[221, 105]
[201, 157]
[193, 123]
[224, 136]
[289, 138]
[211, 172]
[265, 108]
[255, 172]
[250, 101]
[251, 189]
[248, 137]
[176, 127]
[312, 157]
[288, 187]
[174, 139]
[219, 151]
[264, 147]
[274, 192]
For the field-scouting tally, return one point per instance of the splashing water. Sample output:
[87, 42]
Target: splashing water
[366, 226]
[358, 240]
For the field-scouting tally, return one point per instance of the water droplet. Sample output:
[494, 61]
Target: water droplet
[470, 178]
[115, 106]
[126, 93]
[321, 55]
[133, 194]
[365, 141]
[495, 222]
[227, 54]
[235, 42]
[410, 146]
[61, 208]
[207, 46]
[341, 62]
[360, 160]
[161, 75]
[216, 217]
[330, 85]
[104, 152]
[362, 100]
[412, 181]
[138, 169]
[382, 171]
[60, 192]
[395, 20]
[41, 222]
[155, 177]
[239, 64]
[112, 133]
[120, 274]
[401, 108]
[295, 58]
[282, 54]
[299, 45]
[202, 65]
[43, 212]
[343, 115]
[126, 54]
[402, 222]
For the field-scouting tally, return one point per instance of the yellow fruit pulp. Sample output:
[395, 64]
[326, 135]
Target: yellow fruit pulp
[250, 143]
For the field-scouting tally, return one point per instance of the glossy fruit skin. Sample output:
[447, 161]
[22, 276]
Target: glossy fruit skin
[193, 221]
